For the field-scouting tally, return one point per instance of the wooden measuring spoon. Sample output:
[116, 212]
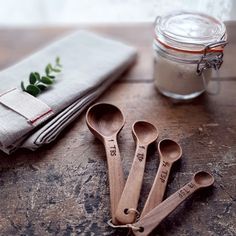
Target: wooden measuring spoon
[169, 152]
[150, 221]
[105, 121]
[144, 134]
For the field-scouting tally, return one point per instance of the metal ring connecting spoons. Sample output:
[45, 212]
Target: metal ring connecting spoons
[150, 221]
[105, 121]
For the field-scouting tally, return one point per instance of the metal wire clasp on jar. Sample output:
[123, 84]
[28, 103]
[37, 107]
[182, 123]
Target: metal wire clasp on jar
[187, 46]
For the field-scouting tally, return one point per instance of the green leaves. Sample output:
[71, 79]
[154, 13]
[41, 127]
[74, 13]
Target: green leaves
[56, 70]
[49, 68]
[58, 64]
[37, 75]
[33, 90]
[32, 78]
[38, 83]
[22, 86]
[46, 80]
[42, 87]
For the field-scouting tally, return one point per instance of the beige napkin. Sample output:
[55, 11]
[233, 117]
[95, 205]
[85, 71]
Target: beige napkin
[90, 64]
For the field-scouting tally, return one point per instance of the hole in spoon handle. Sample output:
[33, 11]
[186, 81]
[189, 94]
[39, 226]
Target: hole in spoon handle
[155, 216]
[130, 196]
[115, 173]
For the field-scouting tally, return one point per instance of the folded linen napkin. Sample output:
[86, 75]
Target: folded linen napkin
[90, 64]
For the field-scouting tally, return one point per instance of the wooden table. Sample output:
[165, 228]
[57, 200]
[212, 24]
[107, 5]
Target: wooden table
[62, 189]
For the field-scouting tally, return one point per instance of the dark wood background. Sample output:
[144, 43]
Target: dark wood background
[62, 189]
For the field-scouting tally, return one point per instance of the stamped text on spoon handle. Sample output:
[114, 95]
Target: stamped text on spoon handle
[164, 171]
[186, 190]
[141, 152]
[112, 147]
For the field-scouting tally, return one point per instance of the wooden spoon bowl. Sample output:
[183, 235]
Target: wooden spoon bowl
[104, 119]
[203, 179]
[146, 224]
[170, 150]
[144, 132]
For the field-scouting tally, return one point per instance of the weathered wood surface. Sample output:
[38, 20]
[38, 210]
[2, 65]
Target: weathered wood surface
[62, 189]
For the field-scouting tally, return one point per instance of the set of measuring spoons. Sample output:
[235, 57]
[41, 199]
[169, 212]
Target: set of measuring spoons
[105, 121]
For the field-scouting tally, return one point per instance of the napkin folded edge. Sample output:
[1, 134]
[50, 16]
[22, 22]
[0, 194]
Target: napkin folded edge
[128, 61]
[32, 109]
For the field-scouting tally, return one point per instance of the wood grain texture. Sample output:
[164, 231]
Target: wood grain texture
[125, 213]
[62, 189]
[144, 134]
[115, 174]
[150, 221]
[169, 152]
[105, 121]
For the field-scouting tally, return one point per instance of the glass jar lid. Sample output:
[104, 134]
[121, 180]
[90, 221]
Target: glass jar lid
[189, 31]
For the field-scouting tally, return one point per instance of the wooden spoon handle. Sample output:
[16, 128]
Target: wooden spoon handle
[115, 173]
[155, 216]
[130, 196]
[158, 188]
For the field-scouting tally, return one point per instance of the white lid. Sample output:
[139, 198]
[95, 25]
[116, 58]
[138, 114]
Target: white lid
[189, 30]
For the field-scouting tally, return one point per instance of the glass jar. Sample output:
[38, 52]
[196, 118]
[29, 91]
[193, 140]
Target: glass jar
[187, 47]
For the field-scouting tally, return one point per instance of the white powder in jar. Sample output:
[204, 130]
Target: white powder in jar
[182, 40]
[178, 78]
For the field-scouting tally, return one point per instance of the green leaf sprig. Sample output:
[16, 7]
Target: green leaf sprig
[38, 83]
